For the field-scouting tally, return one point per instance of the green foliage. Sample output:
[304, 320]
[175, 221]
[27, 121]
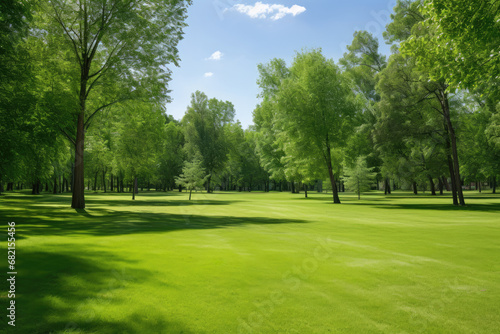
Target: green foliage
[461, 42]
[139, 139]
[316, 108]
[359, 177]
[193, 175]
[205, 122]
[172, 155]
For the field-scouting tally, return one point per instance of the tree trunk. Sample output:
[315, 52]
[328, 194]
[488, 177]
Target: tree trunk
[387, 186]
[111, 183]
[134, 188]
[494, 185]
[415, 189]
[359, 191]
[208, 183]
[440, 185]
[305, 189]
[55, 185]
[95, 181]
[104, 179]
[433, 187]
[190, 191]
[478, 183]
[78, 199]
[454, 151]
[336, 198]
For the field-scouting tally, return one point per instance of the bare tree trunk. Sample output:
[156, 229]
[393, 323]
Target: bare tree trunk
[104, 179]
[433, 187]
[454, 151]
[134, 188]
[95, 181]
[78, 200]
[415, 189]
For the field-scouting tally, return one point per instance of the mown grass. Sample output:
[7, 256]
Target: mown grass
[254, 263]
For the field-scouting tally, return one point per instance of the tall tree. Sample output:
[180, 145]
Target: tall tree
[205, 122]
[120, 49]
[316, 107]
[406, 20]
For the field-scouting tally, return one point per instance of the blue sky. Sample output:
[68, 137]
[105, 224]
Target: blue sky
[227, 39]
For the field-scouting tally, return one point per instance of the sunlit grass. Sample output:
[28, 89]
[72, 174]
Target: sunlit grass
[255, 263]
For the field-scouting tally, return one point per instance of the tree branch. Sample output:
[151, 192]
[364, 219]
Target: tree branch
[71, 139]
[87, 122]
[60, 21]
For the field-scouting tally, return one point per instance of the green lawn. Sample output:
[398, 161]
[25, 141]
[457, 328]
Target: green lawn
[254, 263]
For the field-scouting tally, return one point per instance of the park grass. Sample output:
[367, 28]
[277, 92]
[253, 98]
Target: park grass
[254, 263]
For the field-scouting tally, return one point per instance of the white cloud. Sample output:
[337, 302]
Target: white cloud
[217, 55]
[273, 11]
[208, 74]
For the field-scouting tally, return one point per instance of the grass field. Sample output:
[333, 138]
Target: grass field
[254, 263]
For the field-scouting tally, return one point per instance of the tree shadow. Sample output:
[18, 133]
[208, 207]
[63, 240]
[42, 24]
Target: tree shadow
[59, 291]
[106, 222]
[37, 217]
[492, 207]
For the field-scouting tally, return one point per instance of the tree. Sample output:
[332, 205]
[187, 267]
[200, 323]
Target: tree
[119, 50]
[205, 122]
[362, 64]
[172, 155]
[193, 175]
[359, 177]
[316, 109]
[271, 76]
[138, 143]
[460, 42]
[417, 81]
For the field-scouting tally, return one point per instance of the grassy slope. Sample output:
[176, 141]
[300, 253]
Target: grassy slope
[255, 263]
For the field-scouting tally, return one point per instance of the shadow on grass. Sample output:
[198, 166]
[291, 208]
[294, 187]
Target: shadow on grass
[63, 291]
[44, 217]
[437, 206]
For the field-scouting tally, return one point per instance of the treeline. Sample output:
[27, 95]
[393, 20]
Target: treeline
[82, 106]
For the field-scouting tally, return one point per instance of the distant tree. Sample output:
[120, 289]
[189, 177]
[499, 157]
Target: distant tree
[269, 150]
[193, 175]
[138, 144]
[172, 154]
[359, 177]
[205, 122]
